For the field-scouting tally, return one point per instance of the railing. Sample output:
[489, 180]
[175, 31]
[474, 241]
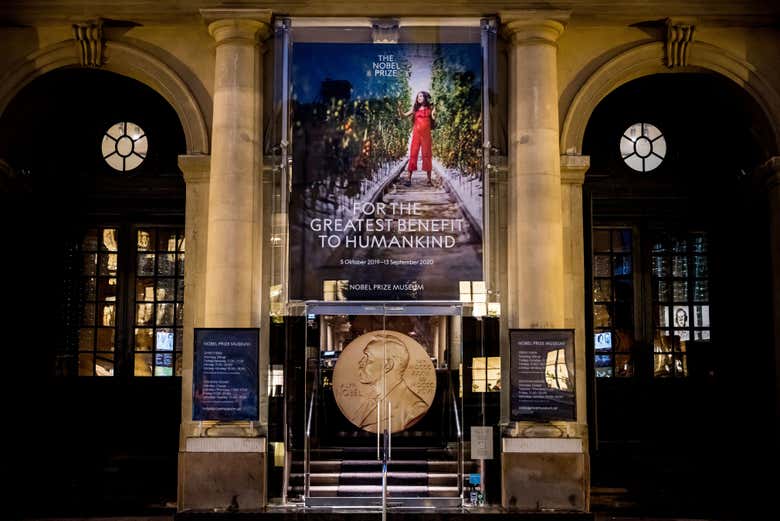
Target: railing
[306, 450]
[459, 432]
[384, 475]
[287, 461]
[386, 458]
[384, 448]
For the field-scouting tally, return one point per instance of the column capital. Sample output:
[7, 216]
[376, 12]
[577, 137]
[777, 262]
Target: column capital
[195, 167]
[533, 26]
[573, 169]
[238, 24]
[771, 168]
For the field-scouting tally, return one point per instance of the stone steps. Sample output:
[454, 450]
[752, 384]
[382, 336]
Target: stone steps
[354, 472]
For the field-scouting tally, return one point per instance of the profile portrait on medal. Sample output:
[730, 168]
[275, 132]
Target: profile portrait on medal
[377, 370]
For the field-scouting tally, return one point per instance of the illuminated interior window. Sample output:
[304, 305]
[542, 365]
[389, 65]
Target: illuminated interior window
[159, 301]
[486, 374]
[681, 295]
[643, 147]
[613, 302]
[123, 303]
[97, 302]
[124, 146]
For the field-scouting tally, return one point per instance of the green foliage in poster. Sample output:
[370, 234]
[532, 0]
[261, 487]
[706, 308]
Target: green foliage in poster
[350, 139]
[457, 97]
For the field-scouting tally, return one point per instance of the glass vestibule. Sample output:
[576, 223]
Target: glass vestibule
[381, 385]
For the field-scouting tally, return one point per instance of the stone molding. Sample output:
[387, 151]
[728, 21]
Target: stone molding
[89, 36]
[221, 445]
[133, 62]
[573, 169]
[238, 26]
[543, 445]
[557, 429]
[6, 170]
[385, 31]
[196, 168]
[679, 34]
[648, 58]
[528, 27]
[126, 60]
[772, 173]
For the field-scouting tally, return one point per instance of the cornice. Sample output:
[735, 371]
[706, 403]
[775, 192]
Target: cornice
[238, 24]
[529, 26]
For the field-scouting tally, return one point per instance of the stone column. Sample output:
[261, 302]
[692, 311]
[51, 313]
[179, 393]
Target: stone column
[232, 261]
[772, 168]
[196, 175]
[535, 267]
[222, 461]
[543, 465]
[573, 170]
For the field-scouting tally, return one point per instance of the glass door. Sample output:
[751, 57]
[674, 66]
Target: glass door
[383, 413]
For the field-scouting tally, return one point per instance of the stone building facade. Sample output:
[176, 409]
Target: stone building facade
[564, 74]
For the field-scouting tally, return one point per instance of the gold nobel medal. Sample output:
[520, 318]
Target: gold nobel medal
[384, 367]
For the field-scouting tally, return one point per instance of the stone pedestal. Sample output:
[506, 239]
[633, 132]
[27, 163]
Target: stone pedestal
[214, 471]
[544, 474]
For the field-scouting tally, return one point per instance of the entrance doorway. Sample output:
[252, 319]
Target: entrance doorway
[383, 414]
[96, 202]
[678, 251]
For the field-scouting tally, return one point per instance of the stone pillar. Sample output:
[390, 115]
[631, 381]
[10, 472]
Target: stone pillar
[543, 465]
[535, 267]
[222, 461]
[232, 262]
[772, 168]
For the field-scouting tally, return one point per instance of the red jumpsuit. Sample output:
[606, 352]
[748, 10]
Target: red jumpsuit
[421, 138]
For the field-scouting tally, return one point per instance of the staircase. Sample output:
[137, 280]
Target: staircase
[352, 476]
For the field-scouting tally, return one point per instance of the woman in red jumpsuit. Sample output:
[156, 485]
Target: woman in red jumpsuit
[423, 113]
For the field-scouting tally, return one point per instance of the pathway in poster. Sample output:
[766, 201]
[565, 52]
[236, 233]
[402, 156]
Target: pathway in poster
[439, 269]
[432, 201]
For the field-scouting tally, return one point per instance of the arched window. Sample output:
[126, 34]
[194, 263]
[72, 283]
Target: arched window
[643, 147]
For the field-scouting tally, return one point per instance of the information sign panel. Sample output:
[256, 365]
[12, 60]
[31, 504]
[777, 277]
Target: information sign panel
[225, 376]
[542, 375]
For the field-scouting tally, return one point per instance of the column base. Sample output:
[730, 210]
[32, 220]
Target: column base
[544, 474]
[214, 470]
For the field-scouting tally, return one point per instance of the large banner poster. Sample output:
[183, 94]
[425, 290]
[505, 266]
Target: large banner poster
[386, 199]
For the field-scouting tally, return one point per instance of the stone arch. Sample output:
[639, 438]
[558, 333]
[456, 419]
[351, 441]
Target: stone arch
[125, 60]
[647, 59]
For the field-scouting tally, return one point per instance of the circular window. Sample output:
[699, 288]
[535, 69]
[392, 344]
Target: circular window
[124, 146]
[643, 147]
